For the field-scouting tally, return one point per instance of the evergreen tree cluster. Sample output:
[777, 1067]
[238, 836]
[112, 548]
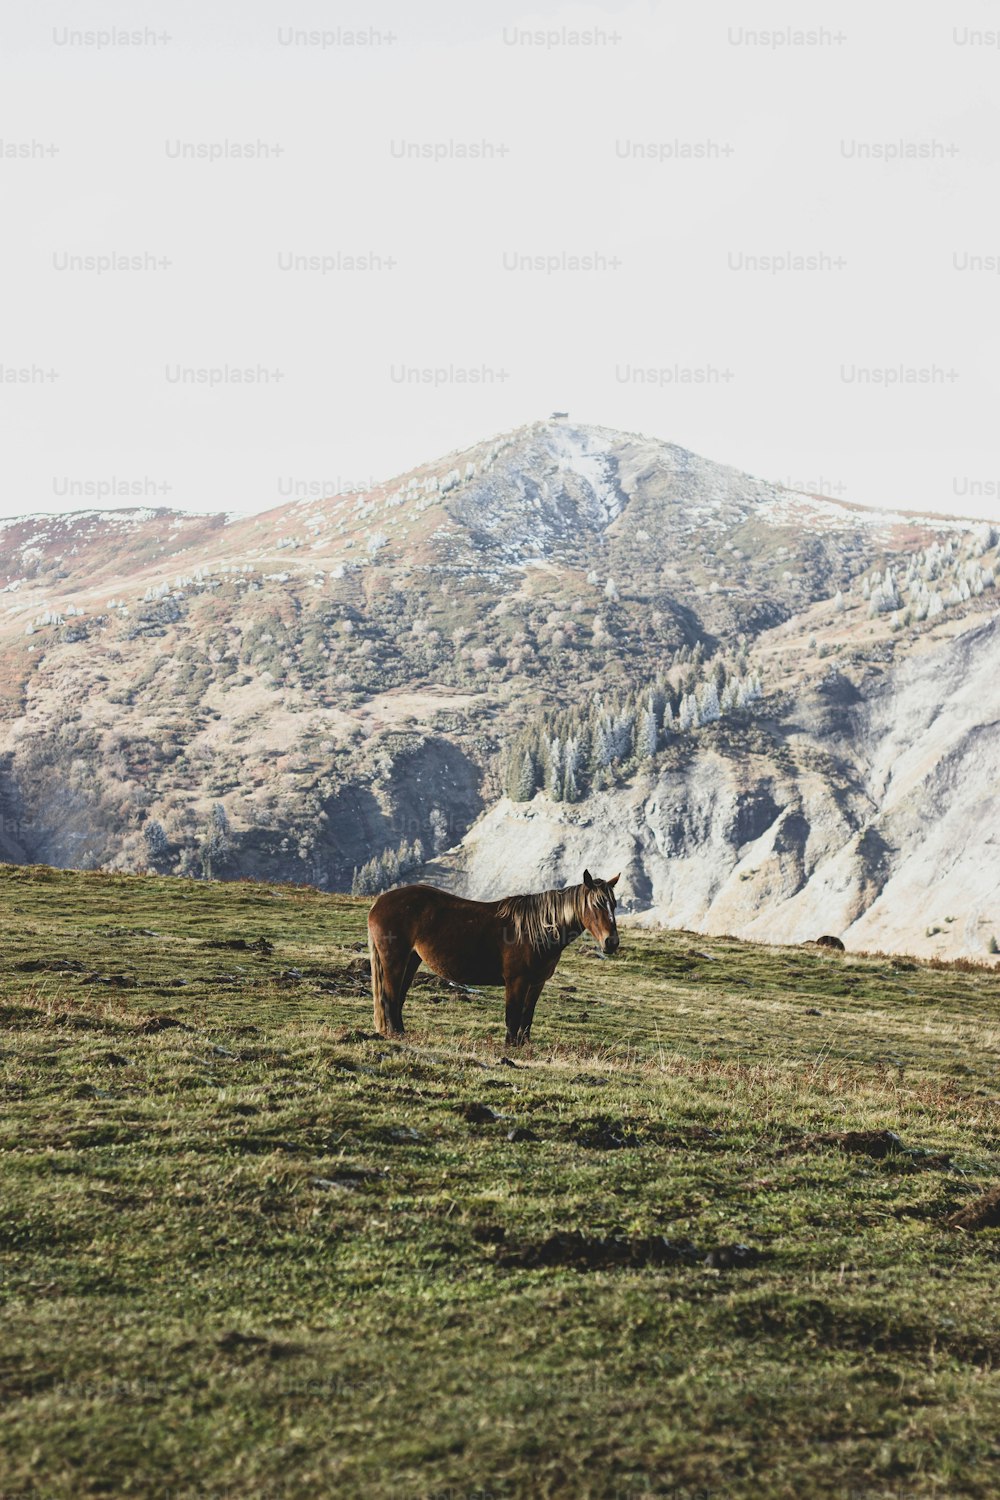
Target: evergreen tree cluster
[385, 870]
[936, 578]
[569, 752]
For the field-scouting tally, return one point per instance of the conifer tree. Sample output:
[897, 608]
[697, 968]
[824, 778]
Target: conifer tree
[571, 787]
[554, 769]
[526, 778]
[688, 716]
[668, 721]
[708, 703]
[647, 741]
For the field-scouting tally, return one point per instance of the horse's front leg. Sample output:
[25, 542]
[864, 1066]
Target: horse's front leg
[528, 1011]
[516, 993]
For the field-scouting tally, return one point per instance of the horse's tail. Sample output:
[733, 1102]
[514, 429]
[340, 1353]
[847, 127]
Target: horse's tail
[378, 982]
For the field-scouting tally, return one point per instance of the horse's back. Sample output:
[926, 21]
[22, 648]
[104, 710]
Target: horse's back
[418, 900]
[457, 938]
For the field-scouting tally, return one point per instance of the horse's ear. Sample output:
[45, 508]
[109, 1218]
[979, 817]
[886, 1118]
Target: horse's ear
[615, 878]
[588, 879]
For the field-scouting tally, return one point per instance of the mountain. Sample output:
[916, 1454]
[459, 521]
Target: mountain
[297, 694]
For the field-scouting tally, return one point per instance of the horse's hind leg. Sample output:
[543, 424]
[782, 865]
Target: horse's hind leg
[396, 976]
[409, 970]
[388, 967]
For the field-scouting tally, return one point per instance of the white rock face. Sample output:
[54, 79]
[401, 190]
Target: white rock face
[894, 833]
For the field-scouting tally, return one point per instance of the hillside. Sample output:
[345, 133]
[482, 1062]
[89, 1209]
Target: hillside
[698, 1238]
[295, 694]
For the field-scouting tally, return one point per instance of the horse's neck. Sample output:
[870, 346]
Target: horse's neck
[570, 934]
[571, 930]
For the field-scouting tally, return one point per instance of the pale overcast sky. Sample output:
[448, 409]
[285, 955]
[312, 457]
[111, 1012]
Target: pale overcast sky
[685, 150]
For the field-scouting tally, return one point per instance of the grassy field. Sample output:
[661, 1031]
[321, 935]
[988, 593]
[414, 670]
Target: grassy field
[248, 1249]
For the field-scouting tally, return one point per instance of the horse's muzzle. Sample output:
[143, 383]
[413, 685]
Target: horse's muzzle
[611, 944]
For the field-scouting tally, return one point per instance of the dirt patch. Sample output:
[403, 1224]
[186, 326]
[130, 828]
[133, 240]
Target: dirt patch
[981, 1213]
[243, 945]
[602, 1133]
[250, 1344]
[479, 1114]
[489, 1234]
[731, 1257]
[878, 1144]
[587, 1252]
[51, 966]
[152, 1024]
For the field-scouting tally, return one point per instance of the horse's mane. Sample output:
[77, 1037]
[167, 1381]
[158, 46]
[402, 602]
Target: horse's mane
[544, 917]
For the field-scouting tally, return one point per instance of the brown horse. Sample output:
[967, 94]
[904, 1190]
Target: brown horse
[516, 942]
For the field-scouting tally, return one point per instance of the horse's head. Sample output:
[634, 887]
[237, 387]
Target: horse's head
[599, 911]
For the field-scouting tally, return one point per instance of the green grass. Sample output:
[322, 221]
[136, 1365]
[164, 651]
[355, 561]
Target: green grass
[266, 1254]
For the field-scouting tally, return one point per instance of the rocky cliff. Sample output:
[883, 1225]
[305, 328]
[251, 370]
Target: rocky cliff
[867, 809]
